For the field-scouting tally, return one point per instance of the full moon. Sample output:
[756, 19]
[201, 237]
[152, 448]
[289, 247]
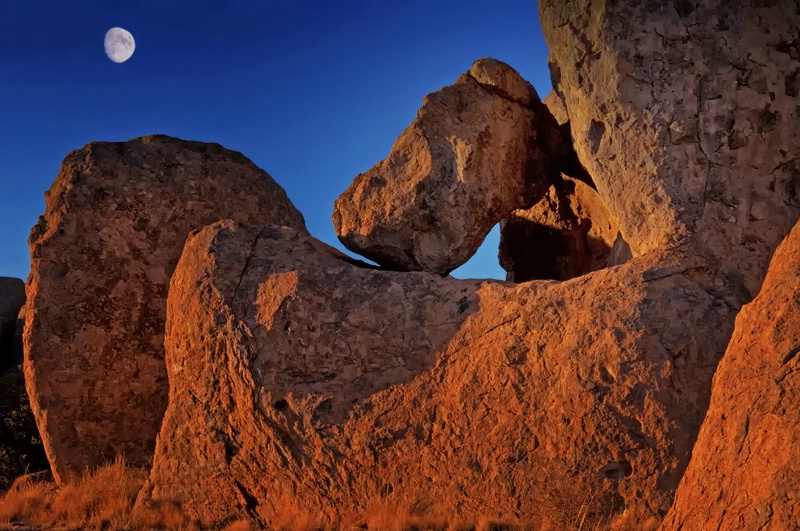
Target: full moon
[119, 45]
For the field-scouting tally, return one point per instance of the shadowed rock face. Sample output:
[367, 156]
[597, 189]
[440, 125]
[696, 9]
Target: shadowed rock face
[12, 298]
[102, 255]
[567, 234]
[556, 106]
[745, 467]
[686, 115]
[299, 379]
[477, 150]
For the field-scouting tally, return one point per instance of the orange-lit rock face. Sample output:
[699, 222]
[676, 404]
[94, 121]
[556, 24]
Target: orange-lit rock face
[745, 467]
[477, 150]
[686, 116]
[298, 379]
[102, 256]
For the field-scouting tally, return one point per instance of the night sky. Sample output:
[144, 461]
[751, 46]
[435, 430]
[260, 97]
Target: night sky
[313, 91]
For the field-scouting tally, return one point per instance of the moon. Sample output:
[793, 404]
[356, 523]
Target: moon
[119, 44]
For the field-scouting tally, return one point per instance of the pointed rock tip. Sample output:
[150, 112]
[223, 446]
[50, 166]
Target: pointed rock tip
[502, 77]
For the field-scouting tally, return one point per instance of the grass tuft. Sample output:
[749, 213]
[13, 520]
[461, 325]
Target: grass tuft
[100, 500]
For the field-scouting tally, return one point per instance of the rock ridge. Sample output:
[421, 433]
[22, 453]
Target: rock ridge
[600, 379]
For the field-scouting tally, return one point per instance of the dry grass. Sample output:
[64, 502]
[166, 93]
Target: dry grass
[101, 500]
[105, 499]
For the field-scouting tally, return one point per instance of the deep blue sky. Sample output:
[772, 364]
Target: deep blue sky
[313, 91]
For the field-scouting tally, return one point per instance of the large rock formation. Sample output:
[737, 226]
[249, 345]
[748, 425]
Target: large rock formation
[745, 468]
[476, 151]
[567, 234]
[12, 298]
[686, 115]
[300, 380]
[102, 255]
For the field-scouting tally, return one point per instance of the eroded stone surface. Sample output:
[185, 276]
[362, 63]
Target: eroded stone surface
[687, 116]
[300, 380]
[566, 234]
[745, 468]
[476, 151]
[556, 107]
[102, 255]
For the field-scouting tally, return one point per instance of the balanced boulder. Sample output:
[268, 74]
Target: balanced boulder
[301, 380]
[686, 116]
[745, 467]
[102, 255]
[476, 151]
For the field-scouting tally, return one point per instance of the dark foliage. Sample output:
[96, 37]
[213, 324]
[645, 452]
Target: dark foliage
[21, 449]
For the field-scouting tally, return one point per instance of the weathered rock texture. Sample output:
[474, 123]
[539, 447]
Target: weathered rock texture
[12, 298]
[555, 105]
[687, 116]
[567, 234]
[102, 255]
[300, 380]
[745, 468]
[476, 151]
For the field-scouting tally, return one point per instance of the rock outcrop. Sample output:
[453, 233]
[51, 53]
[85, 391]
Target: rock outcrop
[476, 151]
[102, 255]
[745, 468]
[300, 380]
[686, 115]
[567, 234]
[556, 106]
[12, 298]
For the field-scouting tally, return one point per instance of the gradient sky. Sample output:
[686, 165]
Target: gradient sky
[313, 91]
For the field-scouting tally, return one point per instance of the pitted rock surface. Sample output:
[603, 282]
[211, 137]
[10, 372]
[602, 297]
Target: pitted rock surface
[300, 380]
[687, 116]
[102, 255]
[556, 107]
[745, 468]
[567, 234]
[476, 151]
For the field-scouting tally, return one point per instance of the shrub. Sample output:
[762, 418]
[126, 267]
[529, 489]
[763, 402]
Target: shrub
[21, 449]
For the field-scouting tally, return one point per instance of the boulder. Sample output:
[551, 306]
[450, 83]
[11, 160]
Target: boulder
[567, 234]
[299, 380]
[556, 106]
[102, 255]
[686, 115]
[745, 467]
[12, 298]
[477, 150]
